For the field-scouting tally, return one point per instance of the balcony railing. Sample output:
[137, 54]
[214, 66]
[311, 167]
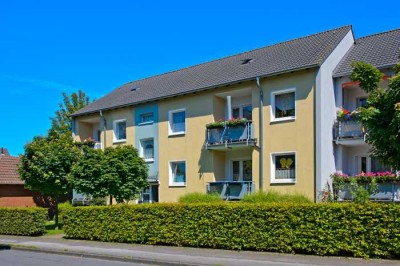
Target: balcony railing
[230, 135]
[97, 146]
[349, 130]
[386, 192]
[231, 190]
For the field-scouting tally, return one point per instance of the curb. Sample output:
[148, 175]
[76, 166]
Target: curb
[98, 256]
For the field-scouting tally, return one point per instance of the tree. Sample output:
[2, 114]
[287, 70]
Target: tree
[381, 115]
[46, 163]
[118, 172]
[62, 122]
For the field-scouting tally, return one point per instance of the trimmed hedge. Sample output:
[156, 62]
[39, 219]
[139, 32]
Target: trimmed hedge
[22, 221]
[371, 230]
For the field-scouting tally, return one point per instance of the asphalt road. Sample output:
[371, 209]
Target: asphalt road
[26, 258]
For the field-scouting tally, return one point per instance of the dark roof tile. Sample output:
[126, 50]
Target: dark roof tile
[380, 50]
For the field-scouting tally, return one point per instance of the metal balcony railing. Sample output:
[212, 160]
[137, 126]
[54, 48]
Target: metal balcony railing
[97, 146]
[386, 192]
[242, 133]
[349, 129]
[231, 190]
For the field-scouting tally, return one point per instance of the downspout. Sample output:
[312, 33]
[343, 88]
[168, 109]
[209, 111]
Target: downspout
[261, 134]
[105, 138]
[104, 129]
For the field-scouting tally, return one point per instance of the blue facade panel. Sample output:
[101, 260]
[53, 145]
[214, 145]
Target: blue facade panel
[146, 128]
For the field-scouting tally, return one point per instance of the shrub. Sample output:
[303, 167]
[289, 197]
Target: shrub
[273, 196]
[22, 221]
[322, 229]
[197, 197]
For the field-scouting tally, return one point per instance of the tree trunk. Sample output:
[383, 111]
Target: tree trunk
[56, 213]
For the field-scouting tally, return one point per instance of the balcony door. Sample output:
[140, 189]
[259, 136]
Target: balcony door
[241, 170]
[366, 164]
[244, 111]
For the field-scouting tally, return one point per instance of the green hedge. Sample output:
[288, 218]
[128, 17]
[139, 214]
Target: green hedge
[22, 221]
[371, 230]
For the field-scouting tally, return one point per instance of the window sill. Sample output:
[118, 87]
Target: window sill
[182, 133]
[146, 123]
[283, 119]
[284, 181]
[119, 141]
[177, 185]
[149, 160]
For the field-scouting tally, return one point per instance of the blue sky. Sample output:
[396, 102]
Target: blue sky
[48, 47]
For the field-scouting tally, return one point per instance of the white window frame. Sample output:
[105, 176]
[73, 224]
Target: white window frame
[283, 181]
[142, 142]
[115, 128]
[170, 116]
[278, 92]
[171, 174]
[146, 122]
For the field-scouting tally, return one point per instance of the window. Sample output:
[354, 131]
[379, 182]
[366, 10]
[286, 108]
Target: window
[120, 130]
[242, 170]
[147, 149]
[177, 124]
[361, 102]
[149, 194]
[177, 173]
[283, 105]
[242, 112]
[146, 118]
[283, 168]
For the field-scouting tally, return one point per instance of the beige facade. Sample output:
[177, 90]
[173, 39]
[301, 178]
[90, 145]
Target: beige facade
[203, 166]
[92, 126]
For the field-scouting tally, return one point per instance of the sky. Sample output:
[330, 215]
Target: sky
[51, 47]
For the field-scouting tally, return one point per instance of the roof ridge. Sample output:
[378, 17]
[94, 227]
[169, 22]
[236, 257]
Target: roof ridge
[378, 33]
[238, 54]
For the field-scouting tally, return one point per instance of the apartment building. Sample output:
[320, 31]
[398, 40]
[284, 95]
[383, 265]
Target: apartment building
[351, 152]
[258, 120]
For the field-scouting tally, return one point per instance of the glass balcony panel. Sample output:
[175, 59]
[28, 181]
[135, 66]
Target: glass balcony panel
[350, 129]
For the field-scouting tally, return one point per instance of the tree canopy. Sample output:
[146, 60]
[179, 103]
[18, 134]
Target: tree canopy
[118, 172]
[381, 115]
[62, 122]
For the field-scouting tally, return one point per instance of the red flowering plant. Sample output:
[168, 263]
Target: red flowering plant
[379, 177]
[236, 121]
[345, 115]
[217, 124]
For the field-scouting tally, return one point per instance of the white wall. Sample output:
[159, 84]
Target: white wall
[325, 113]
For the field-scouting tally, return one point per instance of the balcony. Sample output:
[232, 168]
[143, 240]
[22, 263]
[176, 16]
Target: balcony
[386, 192]
[349, 133]
[230, 136]
[97, 146]
[231, 190]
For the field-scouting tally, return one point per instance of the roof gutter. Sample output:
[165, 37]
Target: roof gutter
[261, 136]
